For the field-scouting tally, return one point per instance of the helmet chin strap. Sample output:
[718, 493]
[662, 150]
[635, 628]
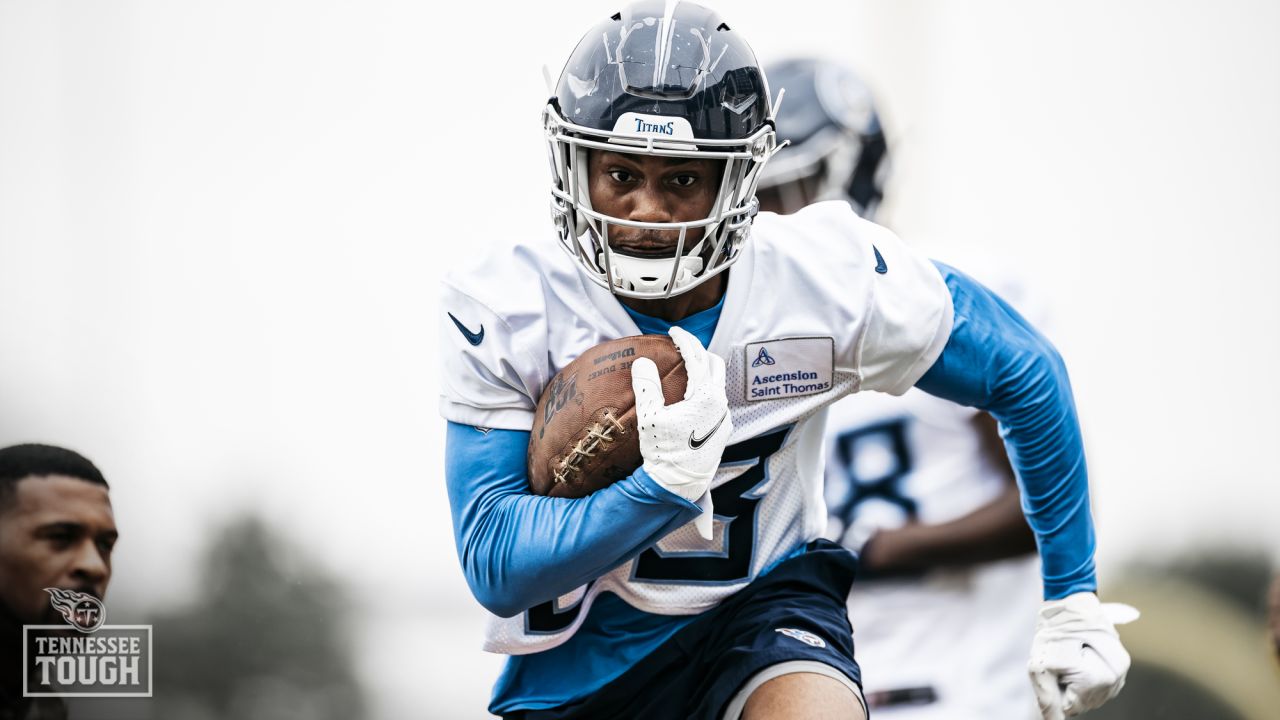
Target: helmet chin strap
[651, 274]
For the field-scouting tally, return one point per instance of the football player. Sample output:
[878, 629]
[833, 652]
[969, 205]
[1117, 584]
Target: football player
[699, 586]
[57, 530]
[920, 487]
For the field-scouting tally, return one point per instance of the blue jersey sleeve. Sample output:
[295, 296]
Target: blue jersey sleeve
[995, 361]
[518, 549]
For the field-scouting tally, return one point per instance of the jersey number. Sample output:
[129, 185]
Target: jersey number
[740, 538]
[730, 501]
[545, 619]
[888, 487]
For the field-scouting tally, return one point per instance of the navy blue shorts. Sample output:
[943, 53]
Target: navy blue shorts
[795, 612]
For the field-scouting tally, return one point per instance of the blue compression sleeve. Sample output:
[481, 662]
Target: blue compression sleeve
[995, 361]
[518, 549]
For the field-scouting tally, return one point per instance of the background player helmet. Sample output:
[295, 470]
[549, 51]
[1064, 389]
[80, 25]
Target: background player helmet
[668, 79]
[836, 147]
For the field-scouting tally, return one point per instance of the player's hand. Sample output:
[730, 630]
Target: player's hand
[682, 442]
[1077, 661]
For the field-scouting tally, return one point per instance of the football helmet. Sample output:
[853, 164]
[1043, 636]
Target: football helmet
[836, 148]
[669, 79]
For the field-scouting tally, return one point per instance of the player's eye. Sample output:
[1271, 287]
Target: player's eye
[684, 180]
[621, 176]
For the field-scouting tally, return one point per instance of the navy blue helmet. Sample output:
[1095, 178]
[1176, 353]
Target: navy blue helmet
[836, 149]
[670, 79]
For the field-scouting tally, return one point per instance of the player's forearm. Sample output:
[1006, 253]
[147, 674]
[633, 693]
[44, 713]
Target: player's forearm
[994, 531]
[518, 549]
[530, 549]
[996, 361]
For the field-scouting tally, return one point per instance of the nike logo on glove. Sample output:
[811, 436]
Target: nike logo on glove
[696, 442]
[880, 266]
[475, 338]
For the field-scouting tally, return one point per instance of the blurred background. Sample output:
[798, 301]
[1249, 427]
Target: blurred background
[222, 225]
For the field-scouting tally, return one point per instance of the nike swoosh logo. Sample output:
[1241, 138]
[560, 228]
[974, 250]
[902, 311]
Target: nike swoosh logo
[474, 338]
[880, 266]
[696, 443]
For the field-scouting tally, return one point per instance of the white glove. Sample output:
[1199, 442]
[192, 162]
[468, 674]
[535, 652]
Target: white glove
[682, 442]
[1077, 661]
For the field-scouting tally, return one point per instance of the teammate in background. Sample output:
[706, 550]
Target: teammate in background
[617, 605]
[837, 149]
[944, 607]
[56, 531]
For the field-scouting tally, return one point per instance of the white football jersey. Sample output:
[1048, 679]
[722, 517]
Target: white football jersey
[821, 304]
[963, 633]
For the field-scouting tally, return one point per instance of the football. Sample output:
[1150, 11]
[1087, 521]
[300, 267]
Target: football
[584, 429]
